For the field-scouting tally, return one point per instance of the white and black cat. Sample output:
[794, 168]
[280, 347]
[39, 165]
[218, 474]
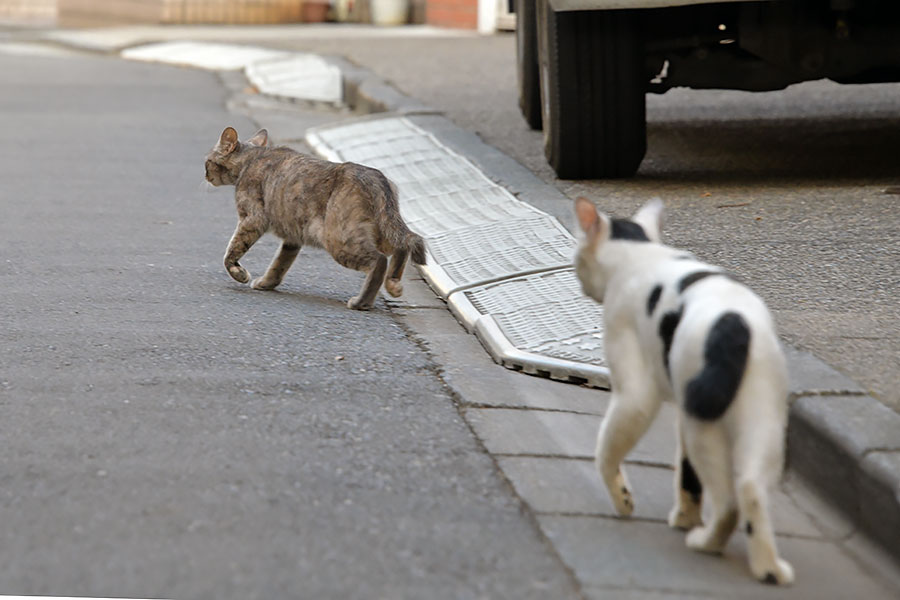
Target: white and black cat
[679, 329]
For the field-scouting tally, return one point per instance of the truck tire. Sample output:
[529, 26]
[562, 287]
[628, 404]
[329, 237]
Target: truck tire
[527, 63]
[592, 92]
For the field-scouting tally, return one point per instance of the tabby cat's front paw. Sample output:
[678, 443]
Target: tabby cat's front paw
[239, 273]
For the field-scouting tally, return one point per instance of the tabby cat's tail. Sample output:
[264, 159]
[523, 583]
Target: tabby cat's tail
[396, 227]
[416, 246]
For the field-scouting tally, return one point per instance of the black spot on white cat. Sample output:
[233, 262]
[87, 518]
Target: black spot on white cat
[749, 528]
[690, 483]
[770, 579]
[653, 299]
[692, 278]
[667, 326]
[709, 394]
[623, 229]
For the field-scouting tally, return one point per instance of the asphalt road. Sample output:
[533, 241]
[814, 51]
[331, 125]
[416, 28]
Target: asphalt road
[167, 432]
[786, 189]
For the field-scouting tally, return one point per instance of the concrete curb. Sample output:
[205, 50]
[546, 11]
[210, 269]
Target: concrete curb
[841, 440]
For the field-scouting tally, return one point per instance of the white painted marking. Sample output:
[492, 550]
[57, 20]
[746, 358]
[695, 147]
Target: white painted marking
[30, 49]
[204, 55]
[301, 76]
[115, 38]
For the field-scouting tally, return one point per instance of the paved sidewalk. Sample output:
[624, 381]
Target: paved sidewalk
[541, 433]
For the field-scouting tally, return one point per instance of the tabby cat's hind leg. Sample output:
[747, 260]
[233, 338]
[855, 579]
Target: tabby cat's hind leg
[395, 272]
[280, 264]
[374, 278]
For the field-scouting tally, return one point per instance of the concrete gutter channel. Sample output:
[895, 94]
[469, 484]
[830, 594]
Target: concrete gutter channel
[841, 440]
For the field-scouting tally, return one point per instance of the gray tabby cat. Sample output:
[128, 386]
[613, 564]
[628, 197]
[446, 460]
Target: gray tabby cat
[349, 210]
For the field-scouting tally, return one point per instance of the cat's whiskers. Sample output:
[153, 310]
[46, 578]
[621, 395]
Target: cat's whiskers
[206, 186]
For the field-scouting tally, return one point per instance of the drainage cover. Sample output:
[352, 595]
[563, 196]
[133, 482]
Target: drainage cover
[502, 265]
[551, 327]
[476, 230]
[498, 250]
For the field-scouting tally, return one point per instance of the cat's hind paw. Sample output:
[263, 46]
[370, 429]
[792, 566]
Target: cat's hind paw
[702, 539]
[239, 273]
[685, 519]
[260, 283]
[781, 574]
[357, 304]
[393, 287]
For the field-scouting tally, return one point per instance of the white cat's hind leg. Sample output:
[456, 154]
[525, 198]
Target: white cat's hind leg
[710, 454]
[764, 561]
[686, 513]
[631, 411]
[758, 459]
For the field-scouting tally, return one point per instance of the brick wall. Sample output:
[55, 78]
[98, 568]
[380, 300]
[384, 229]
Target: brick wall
[82, 12]
[462, 14]
[28, 10]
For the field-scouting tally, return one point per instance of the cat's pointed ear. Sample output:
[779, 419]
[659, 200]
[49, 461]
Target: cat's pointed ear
[591, 222]
[228, 141]
[260, 138]
[650, 218]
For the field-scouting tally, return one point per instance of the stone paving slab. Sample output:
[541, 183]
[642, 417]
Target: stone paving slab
[570, 486]
[551, 433]
[676, 569]
[554, 485]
